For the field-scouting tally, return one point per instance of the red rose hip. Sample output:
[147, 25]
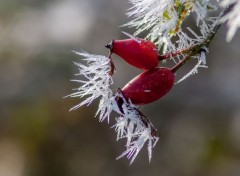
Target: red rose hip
[138, 52]
[149, 86]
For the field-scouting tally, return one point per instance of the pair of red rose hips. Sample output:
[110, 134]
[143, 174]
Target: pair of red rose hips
[154, 82]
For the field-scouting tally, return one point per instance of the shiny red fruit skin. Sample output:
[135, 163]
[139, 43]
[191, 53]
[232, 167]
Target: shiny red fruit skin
[137, 52]
[149, 86]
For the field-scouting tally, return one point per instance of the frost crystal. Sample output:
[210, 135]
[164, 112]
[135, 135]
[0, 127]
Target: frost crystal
[132, 37]
[232, 18]
[96, 84]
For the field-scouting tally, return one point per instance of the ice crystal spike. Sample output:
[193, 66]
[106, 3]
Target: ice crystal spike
[194, 70]
[232, 17]
[132, 37]
[162, 19]
[95, 84]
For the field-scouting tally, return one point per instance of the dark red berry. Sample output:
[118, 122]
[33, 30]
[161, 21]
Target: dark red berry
[149, 86]
[138, 52]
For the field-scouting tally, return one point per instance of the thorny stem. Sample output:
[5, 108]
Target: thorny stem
[197, 49]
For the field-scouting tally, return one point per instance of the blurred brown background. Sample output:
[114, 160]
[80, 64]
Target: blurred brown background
[198, 121]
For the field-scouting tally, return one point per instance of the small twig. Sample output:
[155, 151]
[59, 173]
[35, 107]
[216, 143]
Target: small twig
[197, 49]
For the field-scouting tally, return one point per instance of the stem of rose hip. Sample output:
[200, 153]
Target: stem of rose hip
[197, 49]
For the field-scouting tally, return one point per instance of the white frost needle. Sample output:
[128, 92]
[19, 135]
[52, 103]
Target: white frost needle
[96, 83]
[132, 37]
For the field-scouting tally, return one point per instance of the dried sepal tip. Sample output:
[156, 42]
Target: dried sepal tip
[135, 127]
